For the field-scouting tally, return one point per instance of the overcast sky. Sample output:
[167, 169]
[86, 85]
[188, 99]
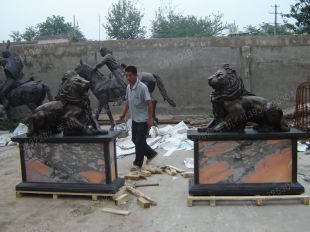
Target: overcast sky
[16, 15]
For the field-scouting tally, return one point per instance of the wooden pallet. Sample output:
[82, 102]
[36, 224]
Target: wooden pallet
[94, 196]
[259, 200]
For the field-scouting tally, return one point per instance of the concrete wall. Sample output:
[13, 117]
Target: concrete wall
[271, 67]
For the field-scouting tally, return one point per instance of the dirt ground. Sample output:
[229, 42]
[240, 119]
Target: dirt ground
[38, 214]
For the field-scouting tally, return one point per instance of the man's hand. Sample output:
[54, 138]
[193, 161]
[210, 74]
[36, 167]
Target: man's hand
[150, 123]
[121, 119]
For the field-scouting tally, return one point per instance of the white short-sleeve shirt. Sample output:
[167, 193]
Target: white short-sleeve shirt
[137, 97]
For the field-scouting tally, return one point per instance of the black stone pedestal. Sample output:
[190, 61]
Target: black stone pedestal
[75, 164]
[243, 164]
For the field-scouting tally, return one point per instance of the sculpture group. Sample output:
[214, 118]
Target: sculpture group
[228, 160]
[70, 112]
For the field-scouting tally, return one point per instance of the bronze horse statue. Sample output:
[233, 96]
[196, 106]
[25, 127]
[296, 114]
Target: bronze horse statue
[100, 86]
[31, 93]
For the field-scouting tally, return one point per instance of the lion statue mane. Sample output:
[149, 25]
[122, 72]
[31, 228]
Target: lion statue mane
[70, 113]
[234, 106]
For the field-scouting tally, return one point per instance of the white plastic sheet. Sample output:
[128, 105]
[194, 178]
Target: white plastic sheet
[5, 139]
[189, 163]
[302, 147]
[169, 138]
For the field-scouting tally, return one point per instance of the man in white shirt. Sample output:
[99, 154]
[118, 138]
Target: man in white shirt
[140, 107]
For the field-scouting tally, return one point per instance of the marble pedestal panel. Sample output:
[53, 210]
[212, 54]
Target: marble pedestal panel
[76, 164]
[249, 163]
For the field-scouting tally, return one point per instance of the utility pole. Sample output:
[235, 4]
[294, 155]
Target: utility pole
[275, 18]
[99, 26]
[74, 21]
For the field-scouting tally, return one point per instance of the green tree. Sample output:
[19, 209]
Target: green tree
[56, 25]
[124, 21]
[300, 12]
[233, 28]
[29, 34]
[267, 29]
[169, 24]
[16, 36]
[75, 35]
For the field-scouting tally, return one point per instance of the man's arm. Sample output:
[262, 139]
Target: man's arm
[149, 113]
[125, 110]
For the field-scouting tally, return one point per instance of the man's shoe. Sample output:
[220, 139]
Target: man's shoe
[135, 168]
[150, 159]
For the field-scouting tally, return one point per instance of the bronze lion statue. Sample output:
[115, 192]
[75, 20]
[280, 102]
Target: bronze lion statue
[234, 106]
[70, 113]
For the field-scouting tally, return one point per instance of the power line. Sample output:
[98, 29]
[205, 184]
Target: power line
[276, 13]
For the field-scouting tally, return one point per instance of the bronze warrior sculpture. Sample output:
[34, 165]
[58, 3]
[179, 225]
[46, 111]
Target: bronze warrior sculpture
[70, 113]
[102, 88]
[117, 84]
[14, 91]
[234, 106]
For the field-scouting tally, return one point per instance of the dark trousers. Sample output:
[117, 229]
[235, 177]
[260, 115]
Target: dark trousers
[139, 134]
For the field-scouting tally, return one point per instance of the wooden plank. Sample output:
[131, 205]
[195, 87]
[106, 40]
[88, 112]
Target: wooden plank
[259, 200]
[306, 201]
[66, 193]
[145, 173]
[153, 169]
[19, 194]
[144, 203]
[247, 198]
[187, 174]
[175, 168]
[189, 202]
[139, 194]
[56, 195]
[170, 171]
[122, 199]
[120, 192]
[212, 202]
[116, 211]
[134, 177]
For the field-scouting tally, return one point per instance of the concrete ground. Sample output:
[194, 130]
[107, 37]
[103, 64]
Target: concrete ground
[42, 213]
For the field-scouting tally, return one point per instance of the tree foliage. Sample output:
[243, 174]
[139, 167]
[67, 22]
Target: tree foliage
[267, 29]
[300, 12]
[29, 34]
[16, 36]
[168, 24]
[124, 21]
[233, 28]
[54, 25]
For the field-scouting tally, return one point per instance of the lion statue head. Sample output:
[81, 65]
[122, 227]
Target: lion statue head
[227, 85]
[73, 88]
